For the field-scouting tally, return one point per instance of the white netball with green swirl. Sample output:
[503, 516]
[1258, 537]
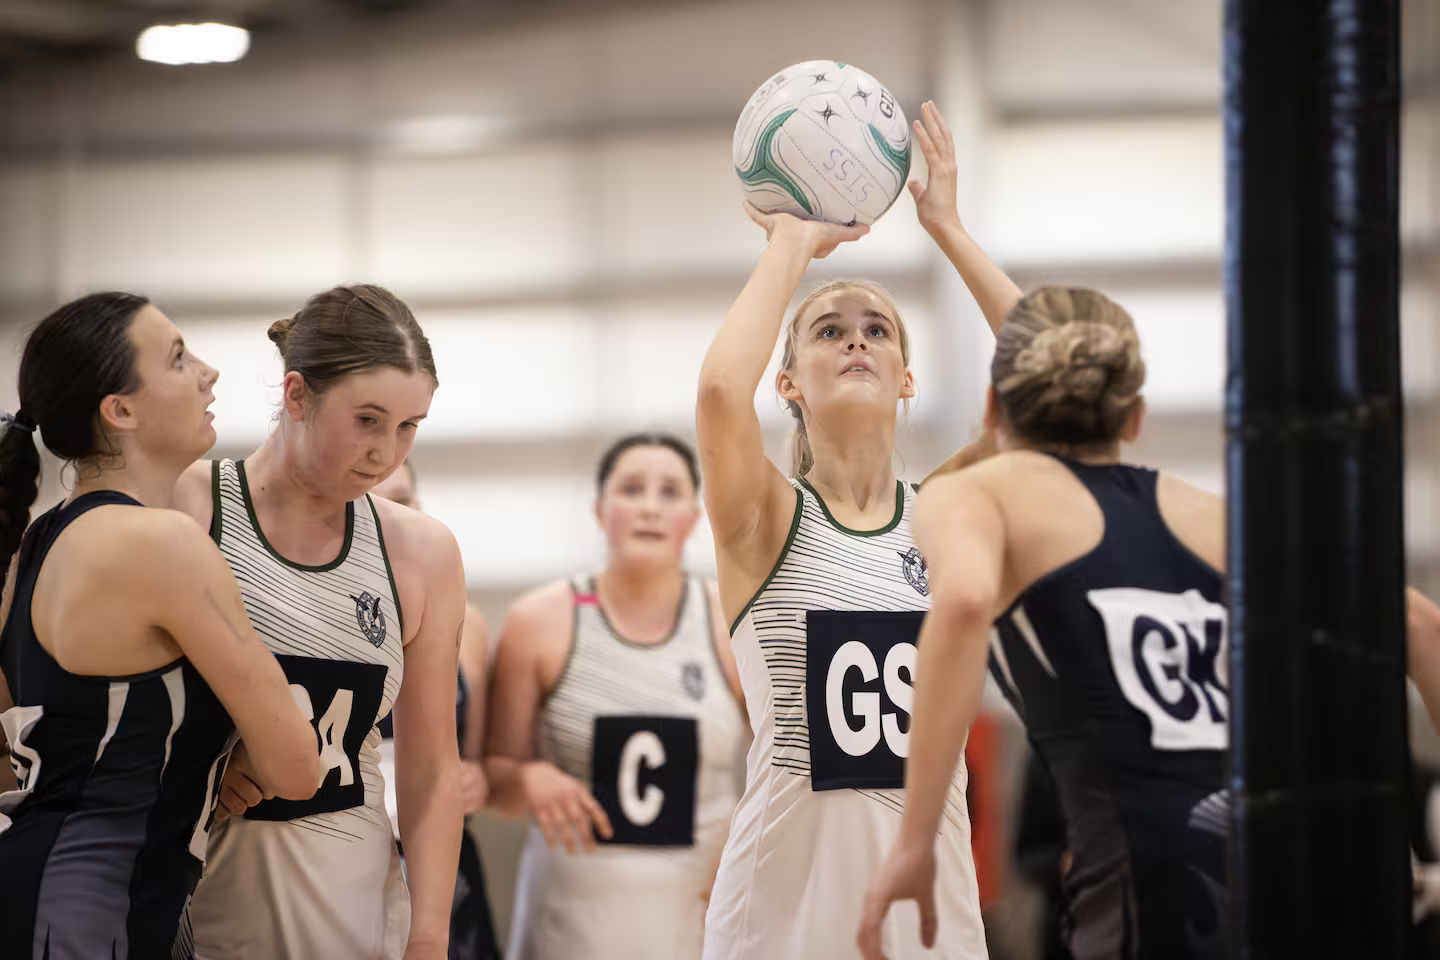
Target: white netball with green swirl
[825, 141]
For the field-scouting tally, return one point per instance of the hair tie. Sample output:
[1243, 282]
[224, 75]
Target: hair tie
[18, 420]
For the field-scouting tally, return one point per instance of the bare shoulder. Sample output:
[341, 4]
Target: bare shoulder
[414, 540]
[137, 545]
[538, 633]
[539, 612]
[1186, 496]
[1195, 516]
[194, 492]
[989, 475]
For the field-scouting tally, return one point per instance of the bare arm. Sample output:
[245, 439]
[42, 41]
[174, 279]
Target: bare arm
[516, 690]
[474, 658]
[961, 532]
[534, 644]
[474, 638]
[748, 500]
[1422, 643]
[198, 603]
[427, 768]
[992, 289]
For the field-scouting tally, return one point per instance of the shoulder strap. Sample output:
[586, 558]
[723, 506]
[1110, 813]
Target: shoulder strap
[1125, 494]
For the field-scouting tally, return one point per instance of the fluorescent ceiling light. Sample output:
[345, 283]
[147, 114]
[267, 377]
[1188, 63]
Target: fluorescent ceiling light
[193, 43]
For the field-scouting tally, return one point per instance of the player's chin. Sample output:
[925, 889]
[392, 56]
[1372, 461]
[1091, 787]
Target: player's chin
[651, 548]
[203, 441]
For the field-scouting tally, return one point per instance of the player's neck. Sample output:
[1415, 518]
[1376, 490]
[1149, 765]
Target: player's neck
[640, 586]
[274, 480]
[856, 468]
[132, 474]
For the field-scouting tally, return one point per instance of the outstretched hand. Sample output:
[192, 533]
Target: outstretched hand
[935, 199]
[906, 874]
[818, 238]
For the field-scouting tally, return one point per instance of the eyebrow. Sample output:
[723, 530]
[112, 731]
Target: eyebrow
[385, 413]
[835, 315]
[178, 342]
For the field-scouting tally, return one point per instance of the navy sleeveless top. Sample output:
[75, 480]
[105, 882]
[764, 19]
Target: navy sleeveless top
[1117, 664]
[102, 843]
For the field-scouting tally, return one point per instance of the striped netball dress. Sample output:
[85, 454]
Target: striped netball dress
[654, 731]
[315, 879]
[826, 651]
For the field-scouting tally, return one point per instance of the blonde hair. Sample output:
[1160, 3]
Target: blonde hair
[1067, 370]
[802, 458]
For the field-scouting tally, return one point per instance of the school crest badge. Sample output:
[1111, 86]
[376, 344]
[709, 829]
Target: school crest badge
[692, 678]
[915, 571]
[370, 618]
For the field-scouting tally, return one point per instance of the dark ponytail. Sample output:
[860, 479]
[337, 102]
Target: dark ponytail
[19, 483]
[73, 359]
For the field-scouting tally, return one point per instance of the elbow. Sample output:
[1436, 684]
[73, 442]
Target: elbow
[963, 605]
[716, 395]
[298, 778]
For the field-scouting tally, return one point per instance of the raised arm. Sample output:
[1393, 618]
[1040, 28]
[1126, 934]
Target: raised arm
[935, 205]
[748, 500]
[960, 530]
[196, 601]
[427, 767]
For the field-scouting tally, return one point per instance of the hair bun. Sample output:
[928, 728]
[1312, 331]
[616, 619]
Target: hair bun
[279, 332]
[1081, 358]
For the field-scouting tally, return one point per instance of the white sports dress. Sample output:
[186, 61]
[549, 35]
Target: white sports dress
[655, 733]
[316, 879]
[826, 651]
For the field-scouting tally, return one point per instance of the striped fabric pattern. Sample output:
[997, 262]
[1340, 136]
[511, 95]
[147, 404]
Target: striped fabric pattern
[828, 567]
[313, 612]
[609, 676]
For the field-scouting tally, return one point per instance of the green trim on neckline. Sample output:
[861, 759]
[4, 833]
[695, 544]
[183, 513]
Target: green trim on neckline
[784, 552]
[255, 525]
[894, 522]
[217, 513]
[390, 574]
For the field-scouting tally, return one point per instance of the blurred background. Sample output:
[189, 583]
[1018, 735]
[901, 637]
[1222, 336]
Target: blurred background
[548, 184]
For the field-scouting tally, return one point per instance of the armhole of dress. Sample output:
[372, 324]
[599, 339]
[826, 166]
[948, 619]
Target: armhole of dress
[385, 558]
[217, 513]
[1153, 493]
[779, 561]
[714, 644]
[574, 642]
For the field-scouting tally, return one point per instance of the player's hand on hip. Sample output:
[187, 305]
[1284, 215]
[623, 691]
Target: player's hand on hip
[935, 200]
[817, 238]
[239, 788]
[567, 815]
[907, 874]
